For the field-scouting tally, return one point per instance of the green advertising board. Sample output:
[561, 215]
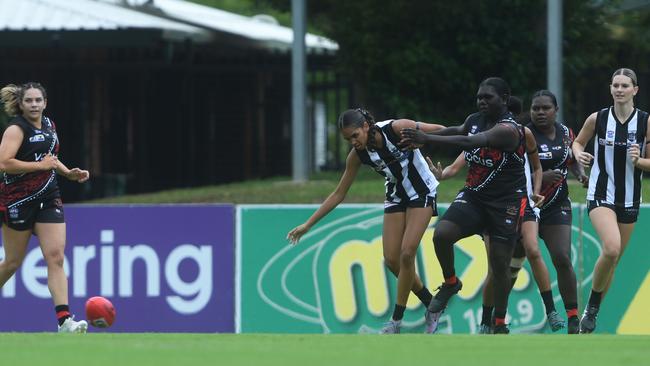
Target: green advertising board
[334, 280]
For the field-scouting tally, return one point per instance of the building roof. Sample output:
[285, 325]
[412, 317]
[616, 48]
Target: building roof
[173, 19]
[88, 15]
[268, 35]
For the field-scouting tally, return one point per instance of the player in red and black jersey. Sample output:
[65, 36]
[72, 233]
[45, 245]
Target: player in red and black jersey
[494, 195]
[30, 202]
[526, 248]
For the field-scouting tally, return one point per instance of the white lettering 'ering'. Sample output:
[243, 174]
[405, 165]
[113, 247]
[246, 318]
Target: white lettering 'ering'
[184, 296]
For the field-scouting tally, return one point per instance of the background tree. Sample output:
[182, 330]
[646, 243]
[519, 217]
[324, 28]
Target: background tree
[424, 58]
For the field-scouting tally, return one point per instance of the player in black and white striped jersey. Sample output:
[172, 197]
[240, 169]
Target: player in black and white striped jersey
[409, 204]
[614, 194]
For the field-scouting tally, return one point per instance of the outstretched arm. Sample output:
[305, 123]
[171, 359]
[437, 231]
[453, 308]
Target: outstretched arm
[501, 136]
[451, 130]
[435, 129]
[400, 124]
[352, 164]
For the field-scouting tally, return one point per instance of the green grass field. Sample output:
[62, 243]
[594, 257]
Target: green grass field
[315, 350]
[367, 188]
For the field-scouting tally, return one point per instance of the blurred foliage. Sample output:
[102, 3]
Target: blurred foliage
[424, 59]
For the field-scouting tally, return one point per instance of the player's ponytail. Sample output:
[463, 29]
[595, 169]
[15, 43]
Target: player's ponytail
[10, 96]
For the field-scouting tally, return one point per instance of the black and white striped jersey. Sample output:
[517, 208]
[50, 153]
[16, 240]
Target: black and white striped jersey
[406, 171]
[613, 178]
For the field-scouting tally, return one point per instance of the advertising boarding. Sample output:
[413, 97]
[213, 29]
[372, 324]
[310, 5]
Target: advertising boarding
[166, 268]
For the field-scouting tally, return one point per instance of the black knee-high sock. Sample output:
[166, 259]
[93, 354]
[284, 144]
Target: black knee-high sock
[398, 313]
[486, 318]
[62, 313]
[547, 297]
[594, 298]
[424, 295]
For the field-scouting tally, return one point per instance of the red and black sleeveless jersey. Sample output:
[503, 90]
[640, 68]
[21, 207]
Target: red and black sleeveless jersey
[554, 154]
[494, 173]
[18, 189]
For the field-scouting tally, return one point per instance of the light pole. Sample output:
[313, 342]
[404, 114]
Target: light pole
[298, 89]
[554, 52]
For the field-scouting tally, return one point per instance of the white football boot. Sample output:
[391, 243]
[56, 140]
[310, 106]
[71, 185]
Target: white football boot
[72, 326]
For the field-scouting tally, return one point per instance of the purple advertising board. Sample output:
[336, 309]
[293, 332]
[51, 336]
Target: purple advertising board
[165, 268]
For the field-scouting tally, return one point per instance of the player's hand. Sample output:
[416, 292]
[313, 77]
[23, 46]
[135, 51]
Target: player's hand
[48, 162]
[296, 233]
[585, 158]
[78, 175]
[537, 199]
[584, 180]
[404, 145]
[411, 146]
[552, 176]
[411, 136]
[435, 169]
[634, 152]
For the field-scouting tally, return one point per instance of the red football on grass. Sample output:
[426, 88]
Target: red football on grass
[100, 312]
